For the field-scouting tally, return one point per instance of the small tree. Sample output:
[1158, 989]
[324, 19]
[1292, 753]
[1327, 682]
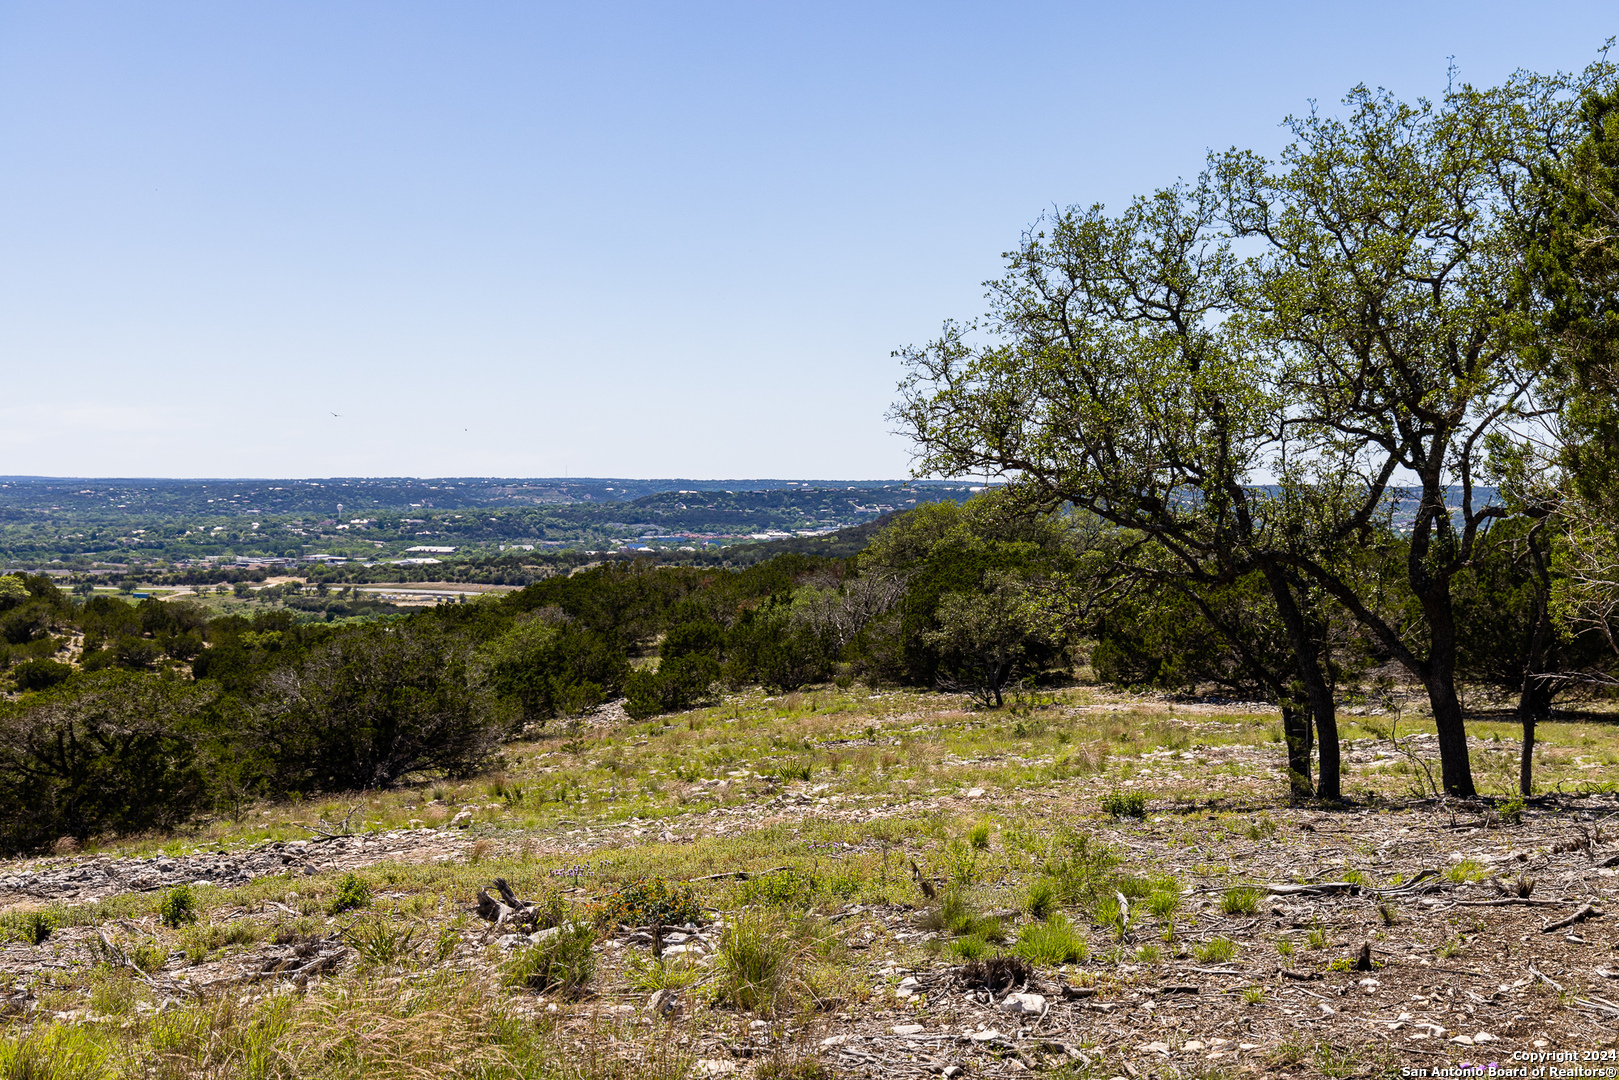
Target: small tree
[982, 635]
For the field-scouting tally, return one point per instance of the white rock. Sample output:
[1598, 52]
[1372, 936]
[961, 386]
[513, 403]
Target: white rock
[1024, 1004]
[462, 820]
[836, 1040]
[1193, 1045]
[1154, 1048]
[1465, 1040]
[908, 1029]
[692, 950]
[976, 793]
[988, 1035]
[711, 1067]
[1484, 1037]
[545, 935]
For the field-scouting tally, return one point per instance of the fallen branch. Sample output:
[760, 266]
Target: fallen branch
[325, 830]
[1600, 1003]
[1325, 888]
[740, 875]
[122, 959]
[1585, 911]
[1547, 979]
[1509, 901]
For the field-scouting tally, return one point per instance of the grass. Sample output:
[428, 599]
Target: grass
[1241, 900]
[755, 969]
[1052, 941]
[563, 962]
[384, 942]
[1164, 902]
[1216, 950]
[1451, 948]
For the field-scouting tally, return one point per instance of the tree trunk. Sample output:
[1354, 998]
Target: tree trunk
[1307, 656]
[1429, 565]
[1440, 679]
[1535, 702]
[1296, 733]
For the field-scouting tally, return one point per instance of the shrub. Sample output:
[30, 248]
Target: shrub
[30, 927]
[785, 888]
[680, 683]
[32, 675]
[111, 752]
[351, 893]
[564, 961]
[650, 900]
[1511, 811]
[1079, 874]
[1261, 829]
[148, 956]
[1121, 804]
[178, 906]
[1240, 900]
[1052, 941]
[373, 706]
[978, 836]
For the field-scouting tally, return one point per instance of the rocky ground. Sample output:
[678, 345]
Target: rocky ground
[1394, 933]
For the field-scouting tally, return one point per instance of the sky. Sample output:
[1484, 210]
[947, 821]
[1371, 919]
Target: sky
[610, 239]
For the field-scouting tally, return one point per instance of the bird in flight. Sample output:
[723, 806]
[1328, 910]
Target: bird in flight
[334, 414]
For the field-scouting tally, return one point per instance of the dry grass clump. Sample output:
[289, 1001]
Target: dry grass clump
[444, 1025]
[759, 964]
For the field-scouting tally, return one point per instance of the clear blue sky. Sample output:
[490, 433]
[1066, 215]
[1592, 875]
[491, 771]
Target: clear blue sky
[660, 239]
